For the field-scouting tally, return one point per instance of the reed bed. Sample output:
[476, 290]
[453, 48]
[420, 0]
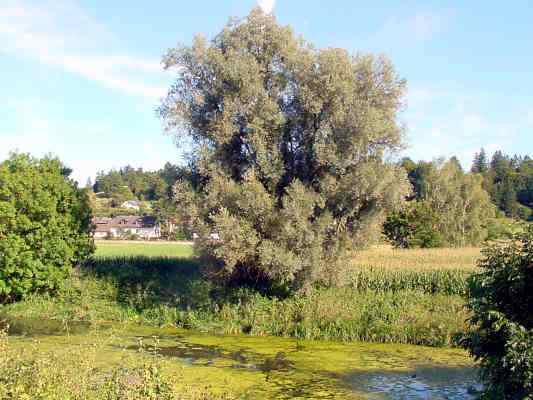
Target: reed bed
[394, 296]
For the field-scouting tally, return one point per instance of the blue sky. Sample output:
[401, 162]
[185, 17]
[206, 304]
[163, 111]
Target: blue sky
[82, 78]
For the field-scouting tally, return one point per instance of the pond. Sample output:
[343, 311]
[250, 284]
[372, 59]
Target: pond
[271, 367]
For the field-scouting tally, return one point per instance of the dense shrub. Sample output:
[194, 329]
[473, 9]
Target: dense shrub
[502, 303]
[45, 225]
[502, 228]
[415, 226]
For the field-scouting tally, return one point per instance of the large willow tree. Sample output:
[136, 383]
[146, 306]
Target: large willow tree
[289, 146]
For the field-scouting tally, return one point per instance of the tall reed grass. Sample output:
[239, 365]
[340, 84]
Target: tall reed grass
[413, 304]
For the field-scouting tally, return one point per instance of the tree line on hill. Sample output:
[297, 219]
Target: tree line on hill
[509, 181]
[128, 183]
[447, 206]
[152, 188]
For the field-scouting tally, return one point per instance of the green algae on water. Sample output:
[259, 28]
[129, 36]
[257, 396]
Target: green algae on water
[276, 368]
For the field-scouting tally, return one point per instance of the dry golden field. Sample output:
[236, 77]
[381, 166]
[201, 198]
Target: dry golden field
[418, 259]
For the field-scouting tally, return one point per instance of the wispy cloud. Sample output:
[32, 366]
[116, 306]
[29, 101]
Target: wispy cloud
[58, 33]
[86, 145]
[267, 5]
[473, 124]
[412, 29]
[444, 120]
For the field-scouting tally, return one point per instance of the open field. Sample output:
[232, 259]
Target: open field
[147, 249]
[444, 271]
[377, 257]
[419, 259]
[382, 268]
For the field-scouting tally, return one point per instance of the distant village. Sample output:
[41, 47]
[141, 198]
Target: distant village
[132, 204]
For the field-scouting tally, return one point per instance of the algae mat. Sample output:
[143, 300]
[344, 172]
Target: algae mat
[269, 367]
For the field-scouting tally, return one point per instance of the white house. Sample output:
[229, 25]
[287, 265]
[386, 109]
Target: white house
[131, 205]
[144, 227]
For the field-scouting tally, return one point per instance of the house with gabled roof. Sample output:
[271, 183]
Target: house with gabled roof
[145, 227]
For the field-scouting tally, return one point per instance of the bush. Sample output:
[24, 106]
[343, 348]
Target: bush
[501, 298]
[45, 225]
[502, 228]
[415, 226]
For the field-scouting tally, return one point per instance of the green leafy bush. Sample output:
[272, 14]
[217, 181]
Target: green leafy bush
[415, 226]
[502, 304]
[45, 225]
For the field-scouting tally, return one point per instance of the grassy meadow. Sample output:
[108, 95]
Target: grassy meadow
[110, 248]
[392, 296]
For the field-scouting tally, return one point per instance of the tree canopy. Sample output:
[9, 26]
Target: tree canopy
[288, 146]
[449, 208]
[509, 180]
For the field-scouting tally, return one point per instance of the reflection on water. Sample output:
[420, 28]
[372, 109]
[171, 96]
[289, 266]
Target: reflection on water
[277, 368]
[37, 327]
[415, 387]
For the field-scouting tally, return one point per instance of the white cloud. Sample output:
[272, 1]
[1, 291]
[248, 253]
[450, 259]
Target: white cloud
[267, 5]
[86, 146]
[424, 26]
[58, 33]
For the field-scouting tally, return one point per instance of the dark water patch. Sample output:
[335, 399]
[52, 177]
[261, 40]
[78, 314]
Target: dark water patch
[212, 355]
[42, 327]
[282, 377]
[424, 383]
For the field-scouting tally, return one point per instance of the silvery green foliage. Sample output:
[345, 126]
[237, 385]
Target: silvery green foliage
[289, 143]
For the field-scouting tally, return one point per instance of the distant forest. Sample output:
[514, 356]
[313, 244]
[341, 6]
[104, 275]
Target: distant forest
[129, 183]
[507, 179]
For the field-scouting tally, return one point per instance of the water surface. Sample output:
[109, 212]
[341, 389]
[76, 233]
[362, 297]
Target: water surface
[270, 367]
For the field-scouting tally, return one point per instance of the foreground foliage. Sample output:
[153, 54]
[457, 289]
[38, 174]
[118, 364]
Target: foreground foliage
[289, 146]
[45, 225]
[502, 304]
[32, 374]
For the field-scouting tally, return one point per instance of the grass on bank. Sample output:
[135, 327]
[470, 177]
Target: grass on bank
[388, 305]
